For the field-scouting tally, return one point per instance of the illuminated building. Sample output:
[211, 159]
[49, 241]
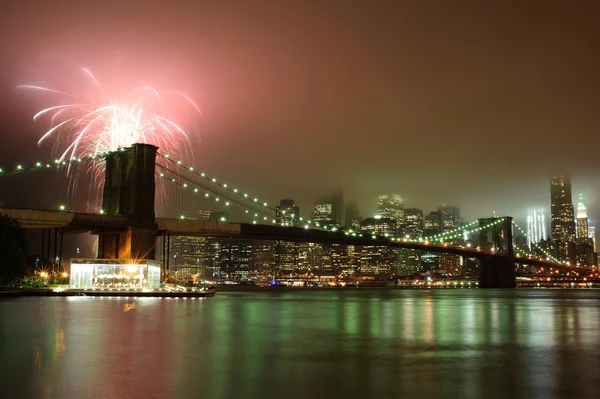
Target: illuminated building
[234, 259]
[562, 217]
[329, 210]
[536, 227]
[429, 261]
[286, 257]
[189, 257]
[340, 261]
[432, 224]
[449, 217]
[378, 226]
[391, 207]
[413, 223]
[592, 236]
[114, 273]
[323, 214]
[262, 260]
[582, 220]
[409, 262]
[314, 257]
[377, 260]
[286, 213]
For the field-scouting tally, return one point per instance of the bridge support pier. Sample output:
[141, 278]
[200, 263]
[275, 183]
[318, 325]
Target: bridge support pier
[129, 191]
[122, 245]
[497, 272]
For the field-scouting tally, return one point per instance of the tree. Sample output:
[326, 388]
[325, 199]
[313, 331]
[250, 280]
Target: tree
[13, 250]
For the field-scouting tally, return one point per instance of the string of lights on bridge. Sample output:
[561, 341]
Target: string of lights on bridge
[523, 252]
[548, 255]
[246, 201]
[190, 186]
[450, 233]
[235, 193]
[39, 166]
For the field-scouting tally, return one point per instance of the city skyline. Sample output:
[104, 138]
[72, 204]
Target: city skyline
[415, 101]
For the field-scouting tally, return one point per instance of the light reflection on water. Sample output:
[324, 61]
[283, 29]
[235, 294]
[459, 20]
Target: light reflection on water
[297, 344]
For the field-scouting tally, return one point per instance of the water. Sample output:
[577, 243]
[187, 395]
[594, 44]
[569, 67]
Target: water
[378, 343]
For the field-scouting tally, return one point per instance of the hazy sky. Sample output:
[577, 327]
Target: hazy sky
[459, 102]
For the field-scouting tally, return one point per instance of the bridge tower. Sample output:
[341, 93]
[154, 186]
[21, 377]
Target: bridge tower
[129, 192]
[497, 271]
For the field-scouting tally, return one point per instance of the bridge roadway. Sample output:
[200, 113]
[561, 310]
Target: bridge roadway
[79, 222]
[178, 227]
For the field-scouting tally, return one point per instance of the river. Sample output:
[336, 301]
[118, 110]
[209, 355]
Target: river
[347, 343]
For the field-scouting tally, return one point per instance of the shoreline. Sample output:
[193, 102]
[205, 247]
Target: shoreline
[48, 292]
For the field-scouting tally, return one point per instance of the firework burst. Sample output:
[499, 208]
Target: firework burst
[95, 123]
[89, 123]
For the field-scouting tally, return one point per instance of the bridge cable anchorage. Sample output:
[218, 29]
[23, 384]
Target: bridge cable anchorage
[56, 164]
[548, 255]
[234, 191]
[218, 197]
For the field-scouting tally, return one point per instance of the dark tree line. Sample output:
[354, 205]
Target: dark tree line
[13, 250]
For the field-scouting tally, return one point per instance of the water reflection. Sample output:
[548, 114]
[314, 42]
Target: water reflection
[347, 343]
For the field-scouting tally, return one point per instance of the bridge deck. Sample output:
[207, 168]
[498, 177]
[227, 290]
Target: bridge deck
[81, 222]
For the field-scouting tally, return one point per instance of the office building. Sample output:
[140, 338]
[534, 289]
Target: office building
[562, 217]
[189, 257]
[413, 223]
[324, 215]
[449, 218]
[432, 224]
[234, 259]
[378, 226]
[287, 213]
[592, 236]
[330, 209]
[391, 206]
[582, 221]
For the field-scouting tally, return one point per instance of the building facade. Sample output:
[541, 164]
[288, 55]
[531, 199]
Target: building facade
[413, 223]
[449, 218]
[391, 206]
[562, 217]
[287, 213]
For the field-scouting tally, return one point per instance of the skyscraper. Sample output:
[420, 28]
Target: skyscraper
[592, 236]
[536, 226]
[413, 223]
[323, 214]
[234, 259]
[391, 206]
[562, 215]
[336, 204]
[378, 226]
[432, 224]
[582, 220]
[449, 217]
[287, 213]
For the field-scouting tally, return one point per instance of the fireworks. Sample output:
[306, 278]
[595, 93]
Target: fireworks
[95, 123]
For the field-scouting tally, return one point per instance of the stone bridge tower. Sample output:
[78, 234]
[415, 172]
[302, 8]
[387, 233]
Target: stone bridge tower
[129, 190]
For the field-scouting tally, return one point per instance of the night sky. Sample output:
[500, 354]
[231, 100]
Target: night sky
[467, 103]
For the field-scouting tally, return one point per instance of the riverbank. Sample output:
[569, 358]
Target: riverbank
[25, 292]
